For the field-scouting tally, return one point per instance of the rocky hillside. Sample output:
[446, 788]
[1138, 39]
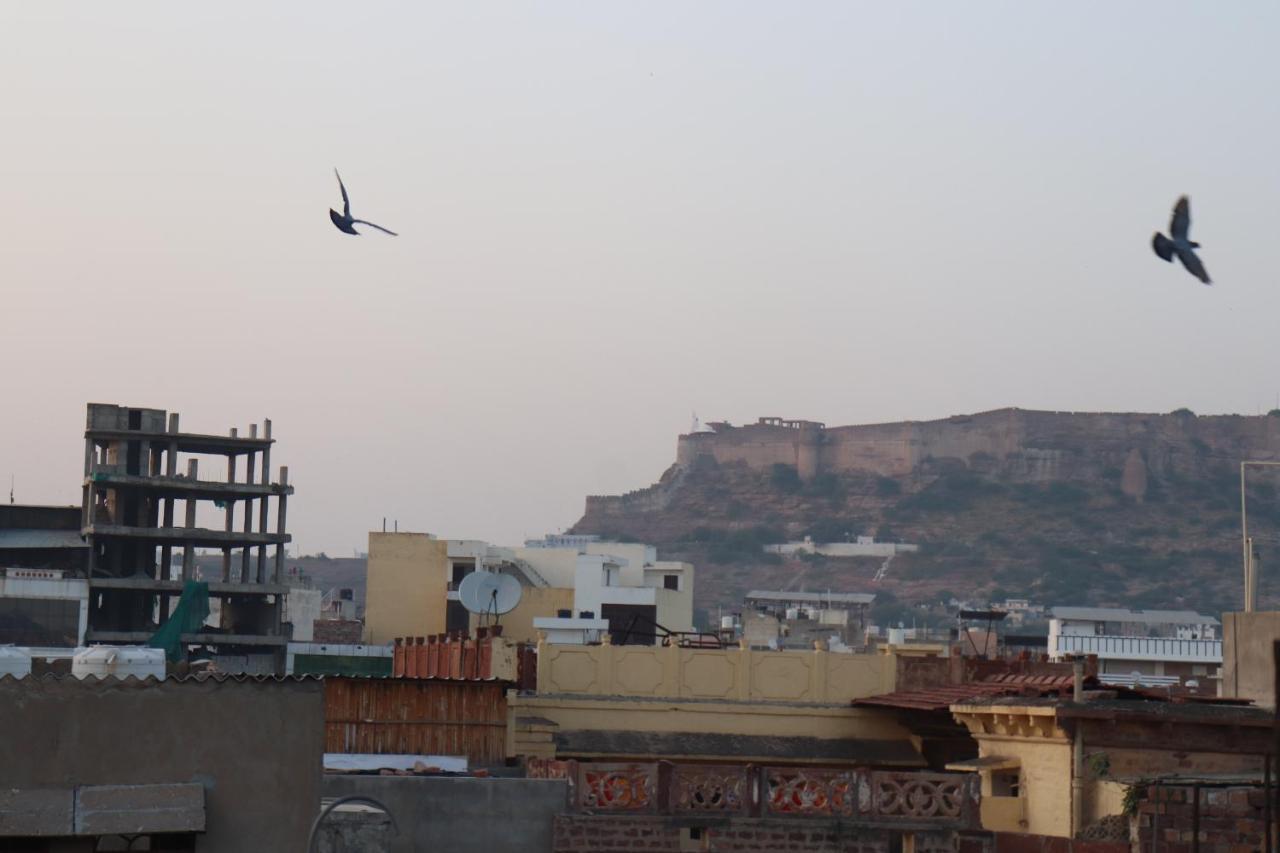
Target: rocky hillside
[1143, 511]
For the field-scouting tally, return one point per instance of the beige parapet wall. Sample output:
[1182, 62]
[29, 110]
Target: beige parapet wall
[741, 674]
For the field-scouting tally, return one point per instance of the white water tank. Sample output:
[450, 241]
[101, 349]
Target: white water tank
[726, 623]
[793, 613]
[15, 661]
[897, 636]
[118, 662]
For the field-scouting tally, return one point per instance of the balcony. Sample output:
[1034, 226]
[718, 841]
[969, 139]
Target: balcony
[1168, 649]
[902, 799]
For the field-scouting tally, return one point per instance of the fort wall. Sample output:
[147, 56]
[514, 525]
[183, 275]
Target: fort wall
[1028, 445]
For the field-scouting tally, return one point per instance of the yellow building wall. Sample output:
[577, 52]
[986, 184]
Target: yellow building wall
[535, 603]
[406, 586]
[1043, 751]
[830, 722]
[713, 674]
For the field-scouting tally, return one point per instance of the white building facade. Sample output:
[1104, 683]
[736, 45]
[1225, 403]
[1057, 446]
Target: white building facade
[1140, 647]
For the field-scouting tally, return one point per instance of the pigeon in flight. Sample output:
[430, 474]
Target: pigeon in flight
[1180, 245]
[343, 221]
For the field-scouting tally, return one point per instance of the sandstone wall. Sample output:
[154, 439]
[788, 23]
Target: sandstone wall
[1034, 446]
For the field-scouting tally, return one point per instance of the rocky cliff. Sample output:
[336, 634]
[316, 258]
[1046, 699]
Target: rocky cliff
[1062, 507]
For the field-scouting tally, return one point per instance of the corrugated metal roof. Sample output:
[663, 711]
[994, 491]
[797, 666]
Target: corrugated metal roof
[218, 677]
[812, 597]
[1120, 614]
[23, 538]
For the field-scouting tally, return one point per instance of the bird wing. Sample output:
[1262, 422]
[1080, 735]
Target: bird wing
[342, 223]
[1192, 262]
[346, 202]
[379, 227]
[1163, 246]
[1181, 222]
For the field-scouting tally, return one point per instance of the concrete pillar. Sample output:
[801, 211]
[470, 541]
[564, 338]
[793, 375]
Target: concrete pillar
[280, 528]
[188, 552]
[251, 459]
[230, 512]
[818, 672]
[170, 471]
[264, 503]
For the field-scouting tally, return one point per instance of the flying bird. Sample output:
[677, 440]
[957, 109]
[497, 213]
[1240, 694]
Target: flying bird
[1180, 244]
[343, 221]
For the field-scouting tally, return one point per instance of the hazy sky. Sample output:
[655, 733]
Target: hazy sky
[612, 215]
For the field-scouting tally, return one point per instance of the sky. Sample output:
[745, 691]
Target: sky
[614, 215]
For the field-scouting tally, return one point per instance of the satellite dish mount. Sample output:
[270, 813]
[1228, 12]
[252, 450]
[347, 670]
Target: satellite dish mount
[489, 595]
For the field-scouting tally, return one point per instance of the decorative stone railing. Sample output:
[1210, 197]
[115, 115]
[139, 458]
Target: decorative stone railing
[931, 799]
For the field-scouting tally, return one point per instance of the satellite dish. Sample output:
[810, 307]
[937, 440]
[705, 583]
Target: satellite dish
[489, 593]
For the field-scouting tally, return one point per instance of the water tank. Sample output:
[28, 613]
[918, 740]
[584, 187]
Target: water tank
[118, 662]
[15, 661]
[726, 623]
[793, 613]
[897, 636]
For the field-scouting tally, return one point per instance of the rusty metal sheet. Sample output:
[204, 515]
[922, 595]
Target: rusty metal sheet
[417, 716]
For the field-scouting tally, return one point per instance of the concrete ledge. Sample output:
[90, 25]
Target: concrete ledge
[38, 811]
[139, 809]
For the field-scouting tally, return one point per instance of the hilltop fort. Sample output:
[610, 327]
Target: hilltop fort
[1011, 494]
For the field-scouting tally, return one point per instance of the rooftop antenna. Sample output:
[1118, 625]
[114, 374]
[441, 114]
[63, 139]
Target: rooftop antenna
[694, 428]
[11, 490]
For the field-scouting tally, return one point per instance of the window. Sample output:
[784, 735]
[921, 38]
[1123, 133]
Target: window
[671, 582]
[1004, 783]
[458, 571]
[39, 621]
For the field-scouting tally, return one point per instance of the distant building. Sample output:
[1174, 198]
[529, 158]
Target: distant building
[44, 596]
[1019, 611]
[414, 579]
[1149, 647]
[139, 470]
[796, 619]
[862, 546]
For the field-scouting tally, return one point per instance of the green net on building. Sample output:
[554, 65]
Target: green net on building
[187, 618]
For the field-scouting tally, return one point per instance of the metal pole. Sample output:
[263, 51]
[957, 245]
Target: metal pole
[324, 813]
[1249, 580]
[1244, 540]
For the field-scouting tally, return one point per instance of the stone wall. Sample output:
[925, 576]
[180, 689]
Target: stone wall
[1027, 445]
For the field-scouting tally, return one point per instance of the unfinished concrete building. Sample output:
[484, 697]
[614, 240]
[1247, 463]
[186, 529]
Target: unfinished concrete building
[146, 496]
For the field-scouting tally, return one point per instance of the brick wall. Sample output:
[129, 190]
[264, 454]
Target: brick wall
[603, 833]
[1013, 842]
[1231, 818]
[337, 631]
